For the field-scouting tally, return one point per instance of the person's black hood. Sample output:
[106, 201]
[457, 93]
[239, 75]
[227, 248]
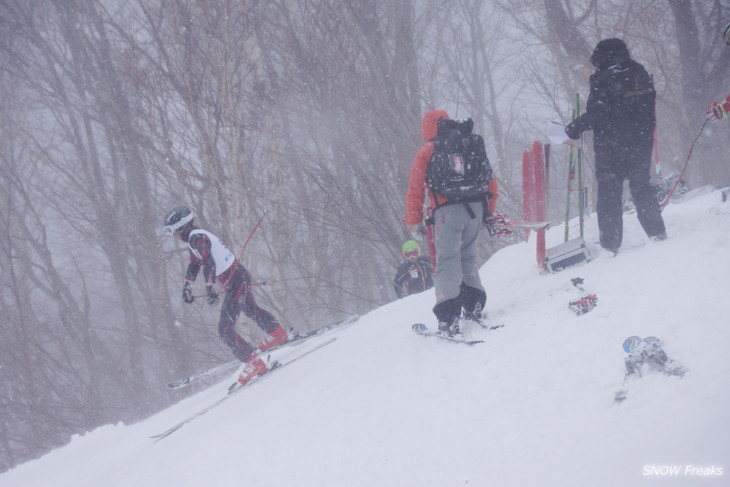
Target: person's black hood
[609, 52]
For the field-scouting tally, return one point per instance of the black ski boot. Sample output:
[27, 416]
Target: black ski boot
[450, 328]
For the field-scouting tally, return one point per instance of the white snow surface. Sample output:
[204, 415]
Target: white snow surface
[531, 406]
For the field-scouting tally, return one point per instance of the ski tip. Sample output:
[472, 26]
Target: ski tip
[179, 384]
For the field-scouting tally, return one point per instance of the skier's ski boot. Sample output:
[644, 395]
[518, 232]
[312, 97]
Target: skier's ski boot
[450, 329]
[476, 316]
[277, 337]
[254, 367]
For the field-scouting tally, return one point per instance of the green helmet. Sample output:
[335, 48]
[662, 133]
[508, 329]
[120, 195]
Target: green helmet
[410, 246]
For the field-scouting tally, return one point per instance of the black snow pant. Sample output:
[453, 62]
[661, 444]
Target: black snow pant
[240, 298]
[611, 171]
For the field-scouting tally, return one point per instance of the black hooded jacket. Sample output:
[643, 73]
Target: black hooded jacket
[620, 107]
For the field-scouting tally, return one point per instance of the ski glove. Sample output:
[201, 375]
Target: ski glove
[212, 296]
[188, 292]
[573, 131]
[490, 220]
[717, 110]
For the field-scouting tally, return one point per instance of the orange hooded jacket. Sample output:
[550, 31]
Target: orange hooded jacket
[417, 182]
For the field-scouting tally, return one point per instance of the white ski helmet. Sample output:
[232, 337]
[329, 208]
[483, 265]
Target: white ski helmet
[177, 219]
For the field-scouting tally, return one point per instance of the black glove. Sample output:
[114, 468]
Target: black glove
[573, 131]
[487, 218]
[488, 222]
[188, 292]
[212, 297]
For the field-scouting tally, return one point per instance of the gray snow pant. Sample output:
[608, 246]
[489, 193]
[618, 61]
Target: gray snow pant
[456, 279]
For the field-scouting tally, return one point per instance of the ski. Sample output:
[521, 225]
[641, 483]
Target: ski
[203, 374]
[423, 330]
[691, 194]
[484, 325]
[235, 387]
[297, 339]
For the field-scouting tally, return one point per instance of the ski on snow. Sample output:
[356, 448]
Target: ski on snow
[301, 337]
[203, 374]
[276, 365]
[421, 329]
[294, 340]
[236, 386]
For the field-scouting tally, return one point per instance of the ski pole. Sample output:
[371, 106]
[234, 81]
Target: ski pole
[255, 227]
[235, 264]
[431, 242]
[581, 195]
[657, 164]
[681, 175]
[253, 231]
[571, 176]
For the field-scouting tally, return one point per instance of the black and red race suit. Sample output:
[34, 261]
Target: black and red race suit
[219, 264]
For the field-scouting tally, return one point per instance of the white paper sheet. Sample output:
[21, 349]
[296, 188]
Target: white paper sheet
[556, 135]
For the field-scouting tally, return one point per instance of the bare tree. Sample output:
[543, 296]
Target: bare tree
[306, 111]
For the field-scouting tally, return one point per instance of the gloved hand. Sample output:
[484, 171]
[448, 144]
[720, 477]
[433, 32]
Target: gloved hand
[573, 131]
[418, 232]
[187, 293]
[717, 110]
[487, 218]
[490, 220]
[212, 296]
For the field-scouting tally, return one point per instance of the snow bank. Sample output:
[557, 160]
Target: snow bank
[533, 405]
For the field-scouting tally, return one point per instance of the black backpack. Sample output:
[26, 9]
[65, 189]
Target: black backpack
[459, 168]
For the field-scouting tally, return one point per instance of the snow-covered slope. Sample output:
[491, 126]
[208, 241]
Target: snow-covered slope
[533, 405]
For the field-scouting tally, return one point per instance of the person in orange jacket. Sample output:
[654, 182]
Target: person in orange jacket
[456, 230]
[719, 110]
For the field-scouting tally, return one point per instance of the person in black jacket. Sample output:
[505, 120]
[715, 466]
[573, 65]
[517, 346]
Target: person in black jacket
[620, 111]
[414, 275]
